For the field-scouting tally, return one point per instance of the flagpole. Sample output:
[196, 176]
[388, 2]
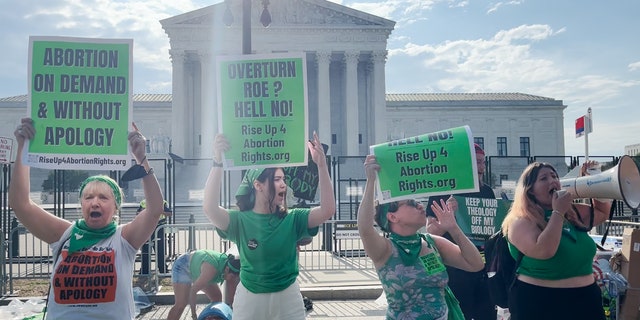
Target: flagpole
[587, 128]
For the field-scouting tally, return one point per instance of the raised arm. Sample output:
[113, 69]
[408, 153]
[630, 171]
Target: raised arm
[375, 245]
[461, 253]
[138, 231]
[218, 215]
[327, 208]
[39, 222]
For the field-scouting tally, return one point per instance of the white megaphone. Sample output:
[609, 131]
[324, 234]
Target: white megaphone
[621, 182]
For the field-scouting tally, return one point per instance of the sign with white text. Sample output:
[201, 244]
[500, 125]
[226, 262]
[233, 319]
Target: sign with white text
[479, 218]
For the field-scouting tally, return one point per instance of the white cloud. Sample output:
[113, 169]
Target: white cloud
[486, 65]
[634, 66]
[497, 5]
[138, 20]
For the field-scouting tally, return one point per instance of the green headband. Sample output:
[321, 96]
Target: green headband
[117, 192]
[246, 185]
[231, 266]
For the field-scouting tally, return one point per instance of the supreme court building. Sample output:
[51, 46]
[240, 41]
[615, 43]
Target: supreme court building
[348, 106]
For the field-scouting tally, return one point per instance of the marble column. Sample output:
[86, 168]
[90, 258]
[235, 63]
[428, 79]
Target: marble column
[324, 97]
[351, 105]
[178, 124]
[208, 122]
[379, 98]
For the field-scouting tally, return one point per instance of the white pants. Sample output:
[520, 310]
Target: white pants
[283, 305]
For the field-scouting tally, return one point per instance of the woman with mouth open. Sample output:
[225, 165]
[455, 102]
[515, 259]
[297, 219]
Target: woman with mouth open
[266, 234]
[555, 277]
[93, 257]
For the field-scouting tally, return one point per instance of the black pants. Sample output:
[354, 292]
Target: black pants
[531, 302]
[471, 290]
[159, 249]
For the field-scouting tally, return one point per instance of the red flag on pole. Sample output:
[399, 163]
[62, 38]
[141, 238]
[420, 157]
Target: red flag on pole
[580, 127]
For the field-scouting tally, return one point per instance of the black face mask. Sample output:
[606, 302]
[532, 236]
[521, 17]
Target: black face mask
[135, 172]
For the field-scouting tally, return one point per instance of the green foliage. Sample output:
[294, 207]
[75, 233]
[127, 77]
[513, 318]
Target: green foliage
[72, 180]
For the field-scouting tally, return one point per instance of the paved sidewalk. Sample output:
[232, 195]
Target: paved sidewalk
[347, 291]
[322, 310]
[340, 284]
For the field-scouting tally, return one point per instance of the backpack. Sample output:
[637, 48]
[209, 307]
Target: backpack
[501, 268]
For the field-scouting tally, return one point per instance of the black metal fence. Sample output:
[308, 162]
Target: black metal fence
[183, 180]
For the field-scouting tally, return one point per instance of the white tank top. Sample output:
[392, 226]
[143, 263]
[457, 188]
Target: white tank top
[93, 284]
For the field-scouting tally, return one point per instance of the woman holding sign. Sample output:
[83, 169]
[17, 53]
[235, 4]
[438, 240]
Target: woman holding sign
[469, 287]
[411, 266]
[266, 234]
[93, 257]
[555, 277]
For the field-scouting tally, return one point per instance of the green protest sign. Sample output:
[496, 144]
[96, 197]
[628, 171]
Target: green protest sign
[263, 110]
[80, 102]
[479, 218]
[436, 163]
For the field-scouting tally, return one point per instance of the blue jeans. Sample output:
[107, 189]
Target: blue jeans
[180, 272]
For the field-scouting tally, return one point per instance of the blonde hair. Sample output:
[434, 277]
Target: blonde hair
[524, 204]
[102, 182]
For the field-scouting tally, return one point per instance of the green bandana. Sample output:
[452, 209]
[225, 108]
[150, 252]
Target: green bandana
[246, 185]
[117, 192]
[408, 247]
[84, 237]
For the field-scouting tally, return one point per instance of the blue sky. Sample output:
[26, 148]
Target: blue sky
[585, 53]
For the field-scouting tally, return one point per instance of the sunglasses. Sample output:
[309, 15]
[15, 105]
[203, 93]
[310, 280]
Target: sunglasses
[394, 206]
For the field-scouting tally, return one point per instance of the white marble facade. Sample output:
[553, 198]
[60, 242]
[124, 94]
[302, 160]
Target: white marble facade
[345, 52]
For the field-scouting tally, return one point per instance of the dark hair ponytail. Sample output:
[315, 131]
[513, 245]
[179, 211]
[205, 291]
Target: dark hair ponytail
[233, 263]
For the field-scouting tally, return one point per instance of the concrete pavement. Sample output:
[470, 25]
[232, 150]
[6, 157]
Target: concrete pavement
[339, 293]
[322, 310]
[346, 289]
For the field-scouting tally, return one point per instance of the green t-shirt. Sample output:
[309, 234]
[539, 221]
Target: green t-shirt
[216, 259]
[267, 247]
[573, 258]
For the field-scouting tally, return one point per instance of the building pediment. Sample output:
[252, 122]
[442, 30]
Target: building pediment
[284, 13]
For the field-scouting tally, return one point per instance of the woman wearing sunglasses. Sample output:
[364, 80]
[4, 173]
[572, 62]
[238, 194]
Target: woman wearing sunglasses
[411, 266]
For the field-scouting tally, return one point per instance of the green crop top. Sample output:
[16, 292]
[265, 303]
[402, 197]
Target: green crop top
[573, 258]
